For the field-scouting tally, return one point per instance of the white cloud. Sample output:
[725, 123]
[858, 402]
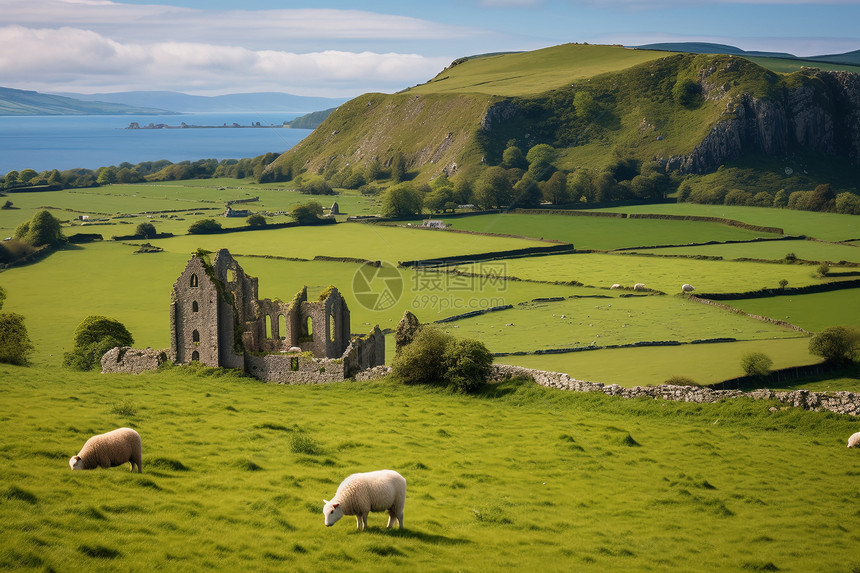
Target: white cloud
[89, 62]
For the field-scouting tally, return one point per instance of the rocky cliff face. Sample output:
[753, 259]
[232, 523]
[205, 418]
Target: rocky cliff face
[822, 113]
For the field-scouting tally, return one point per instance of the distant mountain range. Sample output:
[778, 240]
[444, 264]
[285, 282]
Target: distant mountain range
[23, 102]
[848, 58]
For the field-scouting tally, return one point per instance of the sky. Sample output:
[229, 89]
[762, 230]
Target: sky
[343, 49]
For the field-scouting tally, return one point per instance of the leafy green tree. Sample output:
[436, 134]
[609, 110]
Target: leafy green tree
[836, 344]
[55, 178]
[42, 229]
[107, 175]
[373, 171]
[513, 157]
[493, 188]
[781, 198]
[526, 193]
[94, 336]
[555, 189]
[146, 230]
[440, 199]
[256, 220]
[756, 364]
[398, 168]
[2, 296]
[848, 203]
[15, 345]
[402, 200]
[316, 186]
[204, 227]
[27, 175]
[12, 178]
[580, 185]
[307, 213]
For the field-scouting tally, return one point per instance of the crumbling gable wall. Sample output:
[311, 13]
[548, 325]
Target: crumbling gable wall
[194, 311]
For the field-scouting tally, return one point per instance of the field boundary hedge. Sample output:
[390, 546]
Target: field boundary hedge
[473, 313]
[565, 248]
[787, 291]
[782, 323]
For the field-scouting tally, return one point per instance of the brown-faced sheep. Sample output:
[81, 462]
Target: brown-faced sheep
[111, 449]
[854, 440]
[359, 494]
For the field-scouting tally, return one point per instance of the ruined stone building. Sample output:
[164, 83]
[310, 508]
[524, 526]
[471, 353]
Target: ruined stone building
[217, 319]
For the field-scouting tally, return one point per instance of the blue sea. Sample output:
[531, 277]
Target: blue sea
[93, 141]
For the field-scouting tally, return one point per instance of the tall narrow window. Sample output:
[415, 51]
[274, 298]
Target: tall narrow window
[193, 280]
[268, 326]
[195, 356]
[195, 336]
[310, 327]
[231, 275]
[282, 326]
[331, 327]
[194, 306]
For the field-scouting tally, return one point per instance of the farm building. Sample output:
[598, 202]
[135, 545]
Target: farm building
[217, 319]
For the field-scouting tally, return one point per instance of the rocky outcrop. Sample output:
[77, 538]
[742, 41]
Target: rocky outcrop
[821, 113]
[498, 113]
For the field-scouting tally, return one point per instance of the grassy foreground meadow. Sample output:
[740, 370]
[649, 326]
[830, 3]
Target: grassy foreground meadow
[518, 477]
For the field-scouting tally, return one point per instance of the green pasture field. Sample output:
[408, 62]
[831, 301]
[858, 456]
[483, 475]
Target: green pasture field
[648, 366]
[530, 73]
[604, 233]
[824, 226]
[661, 273]
[124, 205]
[517, 478]
[583, 322]
[813, 312]
[770, 250]
[107, 278]
[786, 66]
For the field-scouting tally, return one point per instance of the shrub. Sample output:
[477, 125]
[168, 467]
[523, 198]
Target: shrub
[823, 269]
[437, 358]
[686, 92]
[15, 346]
[467, 363]
[204, 227]
[94, 336]
[836, 344]
[756, 364]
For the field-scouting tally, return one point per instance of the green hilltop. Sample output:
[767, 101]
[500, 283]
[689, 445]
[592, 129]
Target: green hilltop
[691, 113]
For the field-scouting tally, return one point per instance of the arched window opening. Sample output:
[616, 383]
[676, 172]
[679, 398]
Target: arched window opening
[194, 282]
[282, 326]
[195, 336]
[310, 327]
[195, 356]
[268, 326]
[331, 327]
[194, 306]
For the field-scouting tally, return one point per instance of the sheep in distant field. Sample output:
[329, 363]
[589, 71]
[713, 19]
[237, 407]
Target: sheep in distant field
[854, 440]
[616, 286]
[111, 449]
[639, 286]
[687, 288]
[359, 494]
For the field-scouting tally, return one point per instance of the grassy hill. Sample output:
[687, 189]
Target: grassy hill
[594, 104]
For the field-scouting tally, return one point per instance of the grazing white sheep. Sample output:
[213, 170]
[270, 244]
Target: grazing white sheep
[359, 494]
[854, 440]
[687, 288]
[616, 286]
[111, 449]
[639, 286]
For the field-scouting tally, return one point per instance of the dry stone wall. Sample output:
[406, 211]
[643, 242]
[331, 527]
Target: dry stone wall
[838, 402]
[129, 360]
